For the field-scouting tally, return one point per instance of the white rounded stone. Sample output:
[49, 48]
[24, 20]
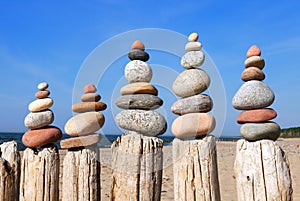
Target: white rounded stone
[138, 71]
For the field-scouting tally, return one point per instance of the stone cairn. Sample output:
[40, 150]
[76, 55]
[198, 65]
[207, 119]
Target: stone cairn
[262, 171]
[190, 156]
[82, 127]
[137, 154]
[39, 120]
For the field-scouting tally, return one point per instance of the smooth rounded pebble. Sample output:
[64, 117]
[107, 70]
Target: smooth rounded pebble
[193, 37]
[193, 104]
[81, 141]
[256, 116]
[138, 45]
[253, 95]
[138, 71]
[192, 59]
[40, 137]
[88, 106]
[84, 123]
[139, 88]
[36, 120]
[138, 55]
[146, 122]
[252, 73]
[193, 124]
[260, 131]
[42, 86]
[90, 97]
[42, 94]
[139, 101]
[253, 51]
[40, 105]
[191, 82]
[255, 61]
[89, 88]
[193, 46]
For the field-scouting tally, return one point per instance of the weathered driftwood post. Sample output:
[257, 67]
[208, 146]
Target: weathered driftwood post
[40, 174]
[9, 171]
[137, 155]
[194, 160]
[261, 167]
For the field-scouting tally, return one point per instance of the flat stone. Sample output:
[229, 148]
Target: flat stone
[88, 106]
[253, 51]
[146, 122]
[139, 101]
[194, 104]
[41, 137]
[84, 123]
[138, 71]
[193, 37]
[90, 97]
[191, 82]
[81, 141]
[255, 61]
[40, 105]
[89, 88]
[42, 94]
[259, 131]
[193, 46]
[138, 55]
[42, 86]
[193, 125]
[192, 59]
[253, 95]
[256, 116]
[252, 73]
[36, 120]
[139, 88]
[138, 45]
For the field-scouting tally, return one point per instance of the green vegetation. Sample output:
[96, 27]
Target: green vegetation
[290, 132]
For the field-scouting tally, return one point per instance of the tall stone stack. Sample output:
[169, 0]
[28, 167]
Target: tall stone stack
[261, 168]
[195, 160]
[137, 154]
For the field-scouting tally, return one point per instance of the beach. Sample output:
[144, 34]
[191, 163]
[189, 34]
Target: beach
[226, 157]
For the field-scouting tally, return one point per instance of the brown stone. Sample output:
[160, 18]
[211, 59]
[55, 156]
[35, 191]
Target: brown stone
[88, 106]
[90, 97]
[90, 88]
[42, 94]
[138, 45]
[193, 124]
[41, 137]
[256, 116]
[139, 88]
[252, 73]
[81, 141]
[253, 51]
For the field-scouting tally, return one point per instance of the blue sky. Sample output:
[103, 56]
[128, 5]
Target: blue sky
[50, 40]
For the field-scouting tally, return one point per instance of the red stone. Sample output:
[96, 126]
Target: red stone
[253, 51]
[42, 94]
[40, 137]
[88, 106]
[138, 45]
[81, 141]
[90, 88]
[256, 116]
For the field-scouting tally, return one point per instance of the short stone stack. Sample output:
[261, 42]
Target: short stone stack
[82, 127]
[254, 97]
[39, 120]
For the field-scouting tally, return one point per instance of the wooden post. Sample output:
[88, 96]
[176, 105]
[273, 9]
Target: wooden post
[262, 172]
[40, 174]
[9, 171]
[195, 170]
[137, 168]
[81, 175]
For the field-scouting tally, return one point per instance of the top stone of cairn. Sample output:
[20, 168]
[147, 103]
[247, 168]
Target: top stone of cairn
[193, 37]
[138, 45]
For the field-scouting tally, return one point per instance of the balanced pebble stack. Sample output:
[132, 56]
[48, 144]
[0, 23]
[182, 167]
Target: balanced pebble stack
[139, 97]
[39, 120]
[82, 127]
[254, 97]
[193, 106]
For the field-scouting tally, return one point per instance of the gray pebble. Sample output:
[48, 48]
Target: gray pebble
[258, 131]
[138, 55]
[36, 120]
[139, 101]
[192, 59]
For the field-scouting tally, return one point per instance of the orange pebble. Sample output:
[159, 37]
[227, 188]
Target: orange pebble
[90, 88]
[253, 51]
[138, 45]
